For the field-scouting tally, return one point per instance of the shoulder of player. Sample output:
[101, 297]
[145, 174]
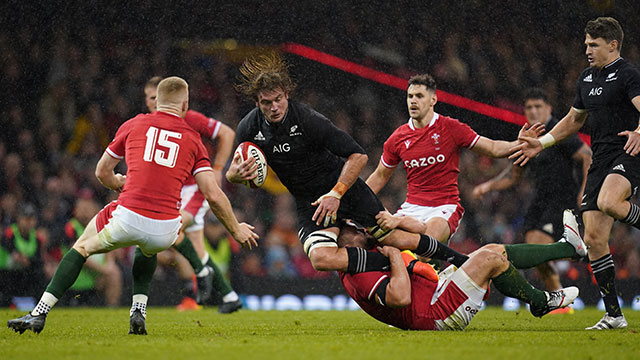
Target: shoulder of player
[628, 67]
[302, 112]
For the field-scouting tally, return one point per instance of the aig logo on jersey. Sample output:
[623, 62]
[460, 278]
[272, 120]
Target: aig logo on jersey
[281, 148]
[596, 91]
[424, 162]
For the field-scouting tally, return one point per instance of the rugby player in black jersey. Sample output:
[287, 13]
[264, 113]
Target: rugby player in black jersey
[308, 154]
[608, 98]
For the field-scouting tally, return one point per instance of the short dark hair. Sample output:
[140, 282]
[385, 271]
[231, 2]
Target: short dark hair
[423, 79]
[607, 28]
[536, 94]
[264, 73]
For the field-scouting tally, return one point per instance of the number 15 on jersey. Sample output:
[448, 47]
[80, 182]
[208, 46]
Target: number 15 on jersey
[163, 138]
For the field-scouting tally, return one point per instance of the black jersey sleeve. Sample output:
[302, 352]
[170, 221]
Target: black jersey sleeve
[577, 101]
[242, 132]
[632, 81]
[329, 136]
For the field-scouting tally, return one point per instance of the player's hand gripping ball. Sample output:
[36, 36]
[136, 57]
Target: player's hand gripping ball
[246, 150]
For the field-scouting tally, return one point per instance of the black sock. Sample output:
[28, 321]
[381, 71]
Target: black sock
[605, 273]
[361, 260]
[432, 248]
[633, 218]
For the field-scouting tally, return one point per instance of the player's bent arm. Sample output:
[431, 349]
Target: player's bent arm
[222, 209]
[329, 259]
[352, 168]
[506, 179]
[583, 158]
[225, 137]
[398, 292]
[104, 172]
[379, 178]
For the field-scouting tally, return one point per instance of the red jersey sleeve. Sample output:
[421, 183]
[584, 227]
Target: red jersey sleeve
[202, 162]
[205, 126]
[390, 157]
[117, 146]
[464, 135]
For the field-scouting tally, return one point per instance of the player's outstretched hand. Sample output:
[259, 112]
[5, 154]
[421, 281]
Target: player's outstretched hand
[242, 171]
[527, 149]
[632, 147]
[245, 236]
[387, 221]
[327, 210]
[532, 131]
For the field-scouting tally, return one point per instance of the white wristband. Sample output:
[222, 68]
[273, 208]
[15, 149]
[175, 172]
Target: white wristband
[546, 140]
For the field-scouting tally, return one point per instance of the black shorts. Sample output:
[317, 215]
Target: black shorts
[546, 216]
[622, 164]
[359, 204]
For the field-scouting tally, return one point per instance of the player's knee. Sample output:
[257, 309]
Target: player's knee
[496, 248]
[493, 259]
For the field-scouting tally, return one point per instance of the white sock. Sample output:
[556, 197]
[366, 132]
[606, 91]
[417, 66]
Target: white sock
[232, 296]
[206, 270]
[139, 302]
[47, 301]
[205, 258]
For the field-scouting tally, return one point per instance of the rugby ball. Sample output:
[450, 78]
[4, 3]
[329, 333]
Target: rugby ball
[246, 150]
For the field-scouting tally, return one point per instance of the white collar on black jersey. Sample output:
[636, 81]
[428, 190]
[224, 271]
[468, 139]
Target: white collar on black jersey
[613, 62]
[433, 121]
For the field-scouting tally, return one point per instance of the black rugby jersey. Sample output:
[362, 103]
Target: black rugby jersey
[549, 171]
[606, 96]
[305, 149]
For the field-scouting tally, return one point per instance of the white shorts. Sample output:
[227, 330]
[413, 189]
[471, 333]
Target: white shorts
[458, 297]
[120, 227]
[451, 212]
[194, 203]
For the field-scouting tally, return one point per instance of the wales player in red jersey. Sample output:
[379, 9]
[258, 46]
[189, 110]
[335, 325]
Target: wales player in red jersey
[194, 208]
[428, 147]
[161, 151]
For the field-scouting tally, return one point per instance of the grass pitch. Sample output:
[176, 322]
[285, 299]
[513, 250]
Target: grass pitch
[95, 333]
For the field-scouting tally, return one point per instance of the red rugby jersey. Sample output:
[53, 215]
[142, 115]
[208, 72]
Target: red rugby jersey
[430, 156]
[207, 127]
[161, 151]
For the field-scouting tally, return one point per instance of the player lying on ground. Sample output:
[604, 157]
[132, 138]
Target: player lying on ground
[161, 151]
[449, 303]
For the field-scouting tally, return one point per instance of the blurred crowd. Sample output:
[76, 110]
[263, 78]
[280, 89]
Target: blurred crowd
[65, 91]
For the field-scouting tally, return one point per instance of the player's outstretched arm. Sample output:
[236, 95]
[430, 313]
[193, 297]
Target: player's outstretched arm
[529, 147]
[225, 138]
[500, 148]
[407, 223]
[105, 174]
[379, 178]
[398, 292]
[221, 207]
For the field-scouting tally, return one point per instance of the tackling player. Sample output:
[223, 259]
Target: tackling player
[450, 300]
[195, 207]
[608, 95]
[161, 151]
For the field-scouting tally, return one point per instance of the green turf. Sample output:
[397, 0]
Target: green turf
[87, 333]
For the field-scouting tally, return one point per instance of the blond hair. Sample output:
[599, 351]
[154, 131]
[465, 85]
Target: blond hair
[172, 90]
